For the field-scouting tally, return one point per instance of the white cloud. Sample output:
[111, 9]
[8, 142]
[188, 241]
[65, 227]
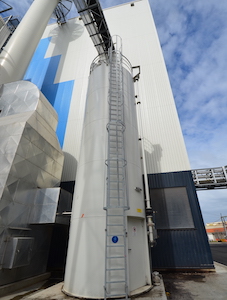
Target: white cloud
[193, 37]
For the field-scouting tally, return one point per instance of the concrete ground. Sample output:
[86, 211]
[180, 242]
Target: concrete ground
[36, 292]
[54, 293]
[199, 286]
[177, 286]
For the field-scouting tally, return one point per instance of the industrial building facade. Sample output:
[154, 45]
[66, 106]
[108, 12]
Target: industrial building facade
[63, 59]
[60, 68]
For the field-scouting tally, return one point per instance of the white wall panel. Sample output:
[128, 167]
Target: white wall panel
[141, 46]
[72, 42]
[159, 116]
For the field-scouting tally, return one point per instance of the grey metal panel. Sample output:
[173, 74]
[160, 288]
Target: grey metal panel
[180, 248]
[31, 164]
[18, 252]
[45, 206]
[172, 208]
[39, 254]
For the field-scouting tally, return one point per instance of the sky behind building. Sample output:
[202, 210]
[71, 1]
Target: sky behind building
[193, 37]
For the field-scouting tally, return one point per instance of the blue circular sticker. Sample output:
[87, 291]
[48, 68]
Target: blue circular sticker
[114, 239]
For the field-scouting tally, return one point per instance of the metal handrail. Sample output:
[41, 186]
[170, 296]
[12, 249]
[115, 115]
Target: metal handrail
[210, 178]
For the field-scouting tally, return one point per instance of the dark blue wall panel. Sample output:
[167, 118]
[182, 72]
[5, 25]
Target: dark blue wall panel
[185, 248]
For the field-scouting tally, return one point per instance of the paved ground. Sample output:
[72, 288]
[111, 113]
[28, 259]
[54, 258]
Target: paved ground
[219, 252]
[40, 292]
[177, 286]
[197, 286]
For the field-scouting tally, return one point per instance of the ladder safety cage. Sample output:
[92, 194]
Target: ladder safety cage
[116, 271]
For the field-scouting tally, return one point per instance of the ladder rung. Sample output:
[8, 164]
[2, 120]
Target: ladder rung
[116, 295]
[116, 234]
[117, 147]
[116, 207]
[116, 269]
[113, 181]
[120, 281]
[115, 215]
[115, 129]
[110, 257]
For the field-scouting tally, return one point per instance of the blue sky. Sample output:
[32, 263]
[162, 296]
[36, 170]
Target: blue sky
[193, 36]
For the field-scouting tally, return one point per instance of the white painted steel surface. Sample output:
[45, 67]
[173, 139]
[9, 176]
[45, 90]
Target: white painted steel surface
[87, 232]
[86, 250]
[141, 46]
[18, 52]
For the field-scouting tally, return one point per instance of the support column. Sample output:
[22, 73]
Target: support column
[18, 52]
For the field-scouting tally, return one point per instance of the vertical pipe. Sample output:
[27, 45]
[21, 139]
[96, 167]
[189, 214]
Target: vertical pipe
[150, 223]
[18, 52]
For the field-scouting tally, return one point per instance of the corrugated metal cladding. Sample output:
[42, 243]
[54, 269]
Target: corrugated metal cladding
[71, 49]
[182, 245]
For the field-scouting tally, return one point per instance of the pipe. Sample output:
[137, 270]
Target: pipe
[150, 223]
[17, 53]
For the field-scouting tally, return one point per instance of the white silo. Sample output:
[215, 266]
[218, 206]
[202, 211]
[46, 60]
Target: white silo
[108, 251]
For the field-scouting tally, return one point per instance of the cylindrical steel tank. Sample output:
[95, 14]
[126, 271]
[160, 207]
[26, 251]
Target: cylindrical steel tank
[85, 267]
[18, 52]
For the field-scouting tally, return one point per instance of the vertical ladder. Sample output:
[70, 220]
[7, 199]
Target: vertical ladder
[116, 282]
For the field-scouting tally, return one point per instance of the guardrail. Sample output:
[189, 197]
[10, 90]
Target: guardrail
[210, 178]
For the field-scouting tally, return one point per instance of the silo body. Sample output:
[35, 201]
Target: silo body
[85, 267]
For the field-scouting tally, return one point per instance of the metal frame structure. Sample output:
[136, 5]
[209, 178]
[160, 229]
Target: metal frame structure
[62, 10]
[224, 223]
[4, 10]
[94, 20]
[210, 178]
